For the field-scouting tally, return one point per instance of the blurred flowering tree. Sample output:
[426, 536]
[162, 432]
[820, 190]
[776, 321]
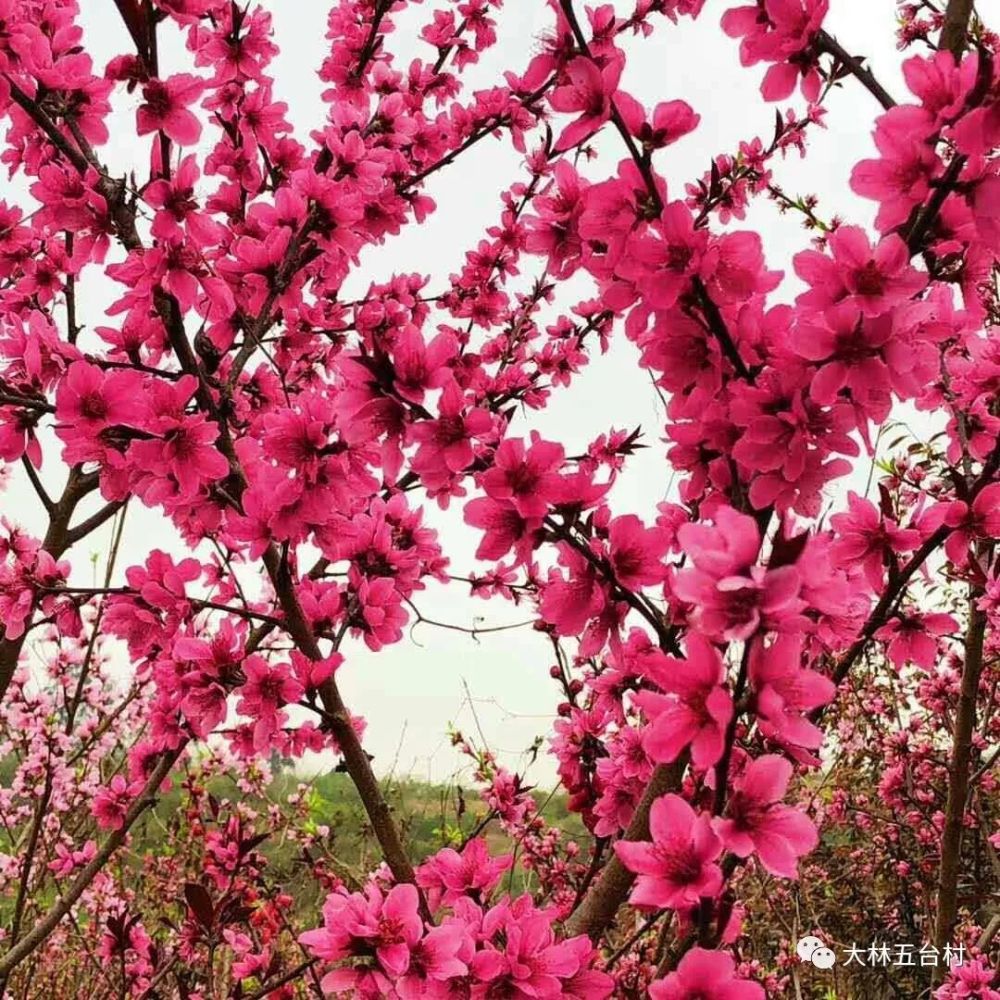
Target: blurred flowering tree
[748, 688]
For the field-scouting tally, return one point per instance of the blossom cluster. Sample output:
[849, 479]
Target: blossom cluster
[288, 437]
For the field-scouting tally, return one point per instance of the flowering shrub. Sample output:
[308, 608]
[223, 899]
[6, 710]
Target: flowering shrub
[777, 698]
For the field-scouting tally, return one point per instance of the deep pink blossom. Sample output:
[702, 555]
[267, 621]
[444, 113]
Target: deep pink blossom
[678, 868]
[968, 522]
[112, 803]
[732, 597]
[875, 278]
[756, 821]
[388, 924]
[165, 108]
[705, 975]
[786, 691]
[636, 552]
[450, 874]
[913, 638]
[526, 477]
[263, 694]
[870, 539]
[662, 263]
[522, 958]
[779, 32]
[694, 708]
[587, 92]
[900, 178]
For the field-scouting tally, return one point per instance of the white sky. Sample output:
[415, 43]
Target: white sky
[410, 692]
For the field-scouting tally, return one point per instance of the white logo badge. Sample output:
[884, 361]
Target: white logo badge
[811, 949]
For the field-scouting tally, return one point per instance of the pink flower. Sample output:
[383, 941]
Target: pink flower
[663, 262]
[382, 614]
[67, 861]
[267, 688]
[981, 520]
[786, 691]
[941, 84]
[526, 477]
[88, 402]
[677, 869]
[165, 108]
[554, 232]
[694, 709]
[361, 924]
[180, 447]
[613, 209]
[636, 552]
[420, 366]
[588, 91]
[912, 638]
[901, 177]
[571, 599]
[112, 803]
[734, 270]
[757, 822]
[504, 528]
[705, 975]
[433, 960]
[92, 397]
[779, 32]
[448, 875]
[177, 206]
[869, 539]
[522, 958]
[969, 979]
[850, 356]
[876, 278]
[670, 121]
[446, 443]
[733, 598]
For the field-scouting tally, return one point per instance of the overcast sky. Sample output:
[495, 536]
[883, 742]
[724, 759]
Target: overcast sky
[410, 692]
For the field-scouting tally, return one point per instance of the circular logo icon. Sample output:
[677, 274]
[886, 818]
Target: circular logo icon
[812, 949]
[824, 958]
[806, 946]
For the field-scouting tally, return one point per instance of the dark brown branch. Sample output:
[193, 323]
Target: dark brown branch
[28, 858]
[955, 30]
[138, 27]
[72, 330]
[958, 774]
[926, 217]
[355, 759]
[953, 38]
[599, 906]
[27, 402]
[49, 127]
[46, 501]
[713, 317]
[371, 44]
[93, 522]
[716, 323]
[268, 989]
[856, 67]
[880, 613]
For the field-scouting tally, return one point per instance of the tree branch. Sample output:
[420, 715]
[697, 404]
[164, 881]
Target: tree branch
[598, 908]
[955, 30]
[958, 775]
[355, 759]
[856, 67]
[41, 930]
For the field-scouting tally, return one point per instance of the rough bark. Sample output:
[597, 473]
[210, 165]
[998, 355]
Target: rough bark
[597, 910]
